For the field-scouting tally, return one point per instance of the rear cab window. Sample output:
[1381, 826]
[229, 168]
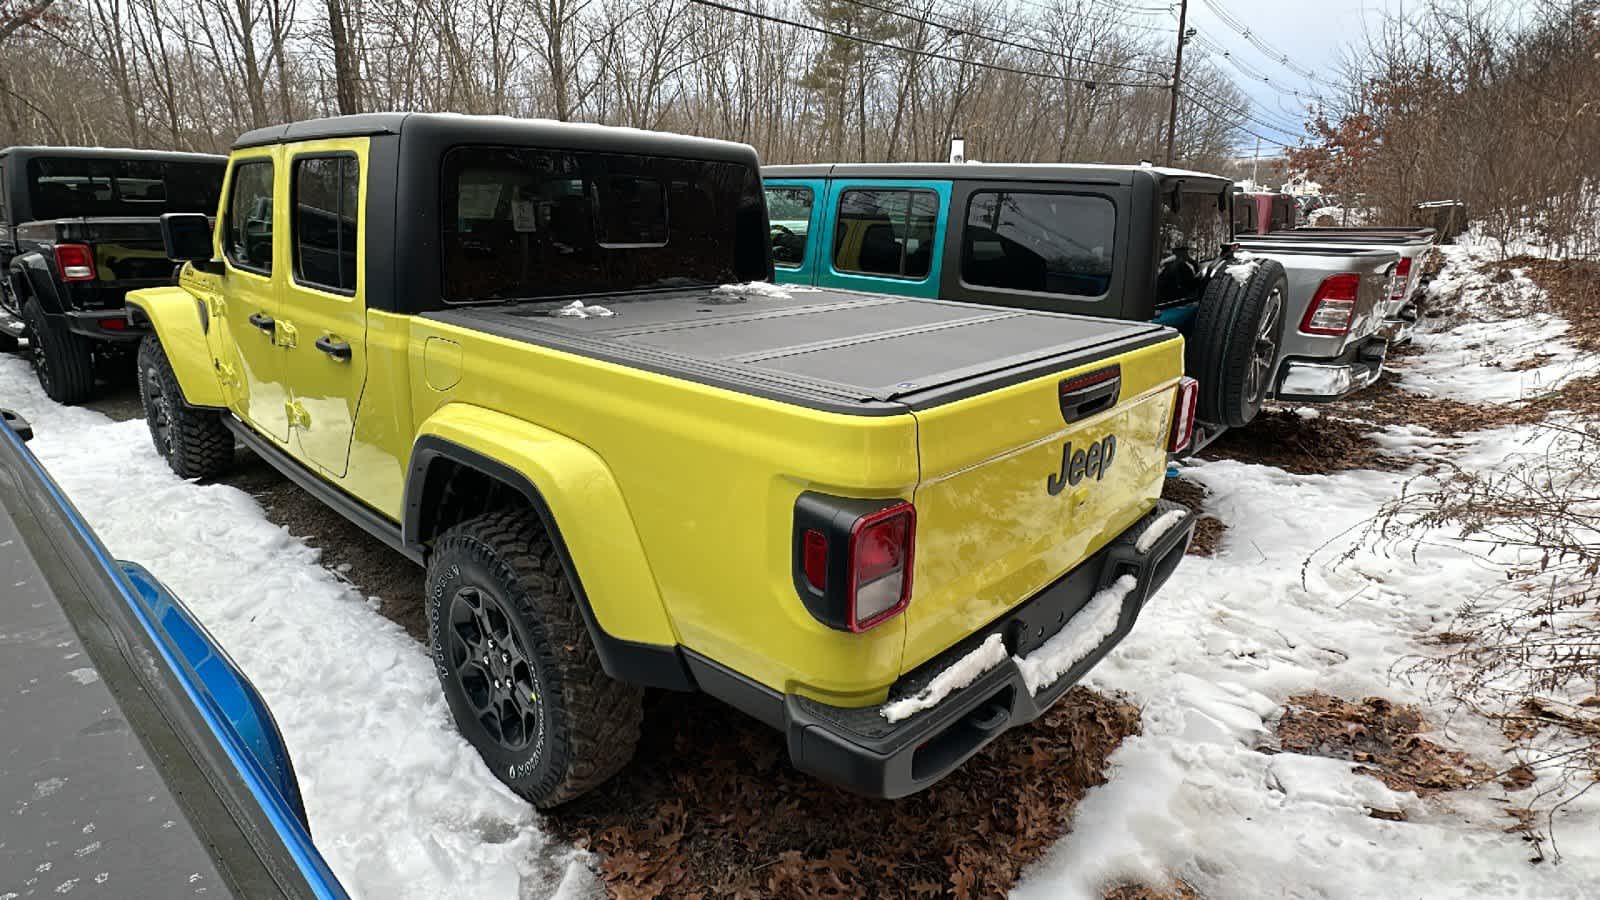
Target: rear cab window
[789, 211]
[1195, 229]
[524, 223]
[886, 232]
[325, 196]
[1039, 242]
[69, 187]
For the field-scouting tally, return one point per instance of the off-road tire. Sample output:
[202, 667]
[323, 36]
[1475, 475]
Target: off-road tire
[62, 361]
[1235, 326]
[193, 441]
[588, 722]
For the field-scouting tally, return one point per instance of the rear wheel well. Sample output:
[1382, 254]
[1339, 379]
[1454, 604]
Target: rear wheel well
[453, 492]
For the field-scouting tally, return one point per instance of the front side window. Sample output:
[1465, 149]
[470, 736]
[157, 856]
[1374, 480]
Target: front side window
[789, 209]
[1044, 243]
[1195, 227]
[249, 229]
[62, 187]
[523, 223]
[327, 190]
[886, 232]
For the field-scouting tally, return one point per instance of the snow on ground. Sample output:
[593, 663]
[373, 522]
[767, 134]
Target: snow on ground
[399, 804]
[1493, 362]
[1230, 638]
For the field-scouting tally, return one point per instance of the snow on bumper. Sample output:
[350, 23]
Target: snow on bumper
[950, 708]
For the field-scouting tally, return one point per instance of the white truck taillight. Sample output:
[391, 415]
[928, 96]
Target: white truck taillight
[1183, 407]
[75, 262]
[852, 559]
[1402, 279]
[1333, 305]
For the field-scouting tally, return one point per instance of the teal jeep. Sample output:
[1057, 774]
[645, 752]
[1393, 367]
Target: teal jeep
[1126, 242]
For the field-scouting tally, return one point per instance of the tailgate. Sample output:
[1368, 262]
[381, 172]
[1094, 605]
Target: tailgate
[128, 251]
[990, 531]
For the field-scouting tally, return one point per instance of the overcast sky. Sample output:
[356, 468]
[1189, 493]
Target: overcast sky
[1313, 35]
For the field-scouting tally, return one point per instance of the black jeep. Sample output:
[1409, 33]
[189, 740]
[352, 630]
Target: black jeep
[79, 228]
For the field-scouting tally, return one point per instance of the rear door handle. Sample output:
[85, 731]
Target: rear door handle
[262, 321]
[335, 348]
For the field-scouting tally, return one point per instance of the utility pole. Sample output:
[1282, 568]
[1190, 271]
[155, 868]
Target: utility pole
[1255, 167]
[1177, 74]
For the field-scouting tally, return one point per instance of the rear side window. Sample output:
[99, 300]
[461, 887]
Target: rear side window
[326, 192]
[1244, 214]
[886, 232]
[1282, 213]
[789, 209]
[63, 187]
[1038, 242]
[1195, 227]
[521, 223]
[249, 217]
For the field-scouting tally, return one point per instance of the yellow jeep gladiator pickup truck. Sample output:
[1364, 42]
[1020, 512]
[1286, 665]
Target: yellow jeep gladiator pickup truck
[546, 362]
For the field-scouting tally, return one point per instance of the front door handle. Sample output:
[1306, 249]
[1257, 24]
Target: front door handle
[335, 348]
[262, 321]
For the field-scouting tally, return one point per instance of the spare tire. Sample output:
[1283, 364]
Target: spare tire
[1232, 349]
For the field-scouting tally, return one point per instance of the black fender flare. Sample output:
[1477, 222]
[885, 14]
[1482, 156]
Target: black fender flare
[33, 275]
[648, 665]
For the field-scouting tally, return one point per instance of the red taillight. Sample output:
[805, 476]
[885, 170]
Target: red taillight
[74, 262]
[1402, 278]
[1333, 305]
[881, 545]
[114, 324]
[815, 561]
[1183, 407]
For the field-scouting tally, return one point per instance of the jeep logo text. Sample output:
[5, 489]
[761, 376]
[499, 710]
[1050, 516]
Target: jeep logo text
[1075, 464]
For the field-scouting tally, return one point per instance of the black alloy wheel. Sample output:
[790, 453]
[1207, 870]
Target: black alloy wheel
[488, 660]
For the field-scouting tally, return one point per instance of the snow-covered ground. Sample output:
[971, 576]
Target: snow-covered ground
[399, 804]
[1230, 638]
[402, 807]
[1497, 361]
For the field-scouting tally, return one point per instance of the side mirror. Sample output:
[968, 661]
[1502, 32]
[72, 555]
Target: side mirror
[186, 237]
[17, 424]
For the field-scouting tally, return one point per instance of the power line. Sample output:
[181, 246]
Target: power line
[1246, 69]
[1194, 97]
[1276, 55]
[1246, 114]
[957, 27]
[930, 54]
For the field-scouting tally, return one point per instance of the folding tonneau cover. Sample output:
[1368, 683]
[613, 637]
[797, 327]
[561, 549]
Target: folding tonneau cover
[860, 354]
[111, 783]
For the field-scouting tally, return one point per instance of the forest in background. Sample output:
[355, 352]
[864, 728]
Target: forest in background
[801, 80]
[1494, 103]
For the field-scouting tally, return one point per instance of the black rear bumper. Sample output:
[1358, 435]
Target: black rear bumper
[93, 324]
[858, 749]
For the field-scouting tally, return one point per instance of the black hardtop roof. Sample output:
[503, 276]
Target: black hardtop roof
[451, 128]
[1097, 173]
[31, 152]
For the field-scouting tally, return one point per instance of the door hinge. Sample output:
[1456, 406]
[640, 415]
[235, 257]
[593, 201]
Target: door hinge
[225, 374]
[216, 307]
[285, 334]
[298, 417]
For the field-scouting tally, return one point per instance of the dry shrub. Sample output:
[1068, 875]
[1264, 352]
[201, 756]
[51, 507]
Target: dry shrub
[1382, 737]
[1526, 647]
[711, 807]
